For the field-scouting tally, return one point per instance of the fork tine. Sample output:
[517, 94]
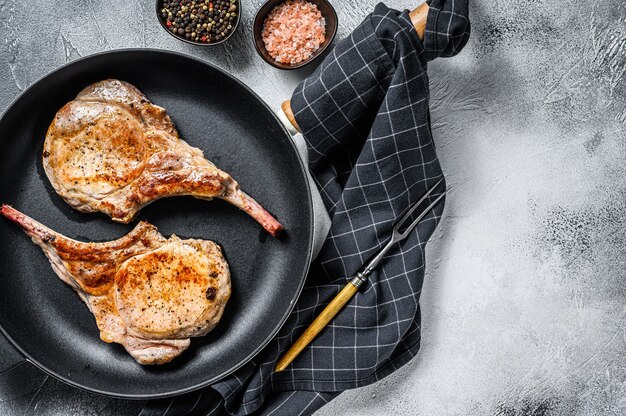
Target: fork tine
[422, 215]
[407, 215]
[397, 235]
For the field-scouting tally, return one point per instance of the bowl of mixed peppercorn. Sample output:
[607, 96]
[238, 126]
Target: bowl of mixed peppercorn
[200, 22]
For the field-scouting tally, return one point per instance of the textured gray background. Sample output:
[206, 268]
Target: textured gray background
[524, 300]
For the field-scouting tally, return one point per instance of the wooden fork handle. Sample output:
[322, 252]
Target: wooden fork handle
[418, 18]
[318, 324]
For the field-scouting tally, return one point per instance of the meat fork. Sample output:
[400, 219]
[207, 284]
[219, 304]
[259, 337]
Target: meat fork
[357, 281]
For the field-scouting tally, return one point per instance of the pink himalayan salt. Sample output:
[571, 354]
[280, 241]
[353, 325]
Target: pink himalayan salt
[293, 31]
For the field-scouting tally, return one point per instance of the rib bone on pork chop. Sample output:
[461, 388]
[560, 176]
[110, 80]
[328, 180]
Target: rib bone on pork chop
[148, 293]
[111, 150]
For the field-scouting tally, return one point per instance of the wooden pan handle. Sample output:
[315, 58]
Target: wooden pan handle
[418, 18]
[286, 106]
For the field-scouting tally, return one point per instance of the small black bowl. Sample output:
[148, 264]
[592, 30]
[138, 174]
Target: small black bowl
[328, 13]
[159, 6]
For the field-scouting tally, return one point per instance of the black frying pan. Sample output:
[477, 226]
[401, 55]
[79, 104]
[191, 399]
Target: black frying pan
[46, 320]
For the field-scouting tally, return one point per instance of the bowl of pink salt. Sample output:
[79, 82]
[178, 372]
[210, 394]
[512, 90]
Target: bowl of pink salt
[289, 34]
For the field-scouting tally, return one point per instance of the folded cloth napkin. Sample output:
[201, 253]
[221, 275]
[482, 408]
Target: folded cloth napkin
[364, 116]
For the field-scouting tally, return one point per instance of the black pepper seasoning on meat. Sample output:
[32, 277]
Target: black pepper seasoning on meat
[202, 21]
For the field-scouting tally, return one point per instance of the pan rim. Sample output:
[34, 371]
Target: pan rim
[309, 201]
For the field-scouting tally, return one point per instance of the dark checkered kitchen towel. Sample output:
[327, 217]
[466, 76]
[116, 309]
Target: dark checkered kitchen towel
[364, 116]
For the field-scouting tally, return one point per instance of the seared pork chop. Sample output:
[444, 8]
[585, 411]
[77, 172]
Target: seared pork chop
[148, 293]
[111, 150]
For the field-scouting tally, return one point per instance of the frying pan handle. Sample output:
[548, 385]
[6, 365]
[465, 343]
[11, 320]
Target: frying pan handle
[321, 219]
[18, 376]
[418, 18]
[290, 123]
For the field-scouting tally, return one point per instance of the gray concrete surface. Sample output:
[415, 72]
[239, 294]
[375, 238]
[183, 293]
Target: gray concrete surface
[524, 300]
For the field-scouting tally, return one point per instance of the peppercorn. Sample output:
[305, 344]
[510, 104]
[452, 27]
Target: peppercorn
[202, 21]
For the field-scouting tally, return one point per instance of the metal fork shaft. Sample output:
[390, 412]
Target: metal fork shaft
[397, 236]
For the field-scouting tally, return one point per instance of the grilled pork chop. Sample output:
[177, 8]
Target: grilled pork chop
[111, 150]
[148, 293]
